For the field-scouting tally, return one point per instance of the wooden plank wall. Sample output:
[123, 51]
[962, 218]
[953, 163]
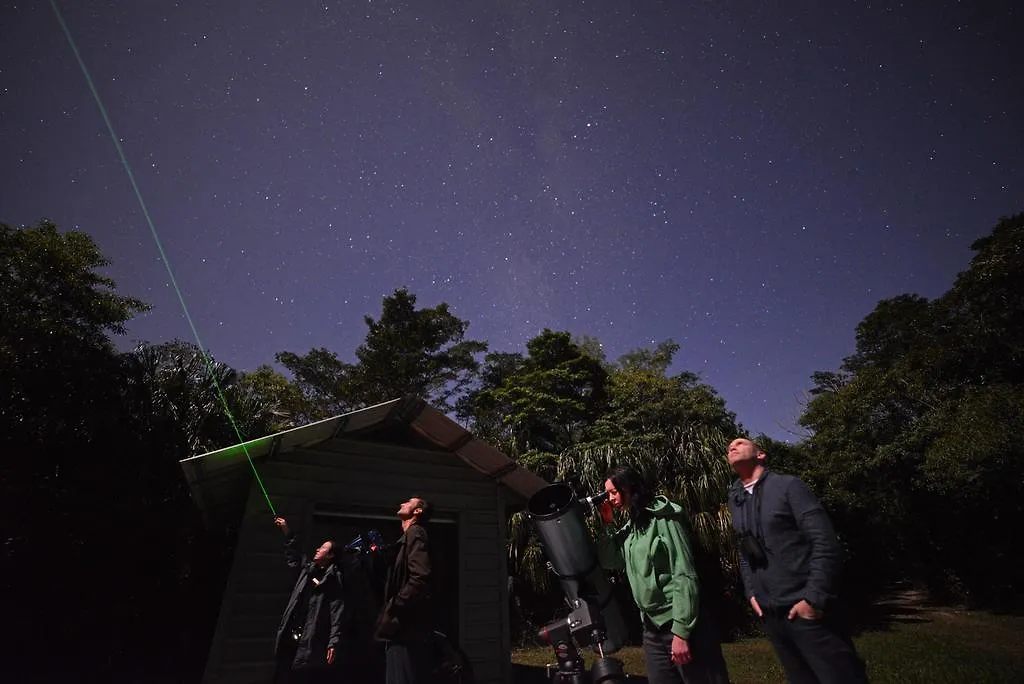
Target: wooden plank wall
[344, 473]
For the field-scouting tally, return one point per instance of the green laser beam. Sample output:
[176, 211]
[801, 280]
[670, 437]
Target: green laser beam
[159, 245]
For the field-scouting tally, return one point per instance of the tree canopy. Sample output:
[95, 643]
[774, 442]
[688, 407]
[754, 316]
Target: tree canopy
[915, 438]
[56, 312]
[406, 351]
[541, 401]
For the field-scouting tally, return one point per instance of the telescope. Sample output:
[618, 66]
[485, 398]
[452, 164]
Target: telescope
[595, 499]
[372, 542]
[594, 619]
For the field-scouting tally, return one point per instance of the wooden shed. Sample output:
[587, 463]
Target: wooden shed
[339, 477]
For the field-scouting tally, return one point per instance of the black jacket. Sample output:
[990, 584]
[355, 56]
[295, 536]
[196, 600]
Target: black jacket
[802, 551]
[326, 616]
[407, 592]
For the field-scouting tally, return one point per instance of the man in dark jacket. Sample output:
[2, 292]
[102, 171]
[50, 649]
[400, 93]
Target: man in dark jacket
[790, 561]
[406, 622]
[309, 638]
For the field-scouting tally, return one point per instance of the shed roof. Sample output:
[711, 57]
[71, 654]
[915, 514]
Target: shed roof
[222, 474]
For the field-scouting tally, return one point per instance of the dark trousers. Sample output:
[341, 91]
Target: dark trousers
[409, 661]
[285, 671]
[707, 665]
[814, 651]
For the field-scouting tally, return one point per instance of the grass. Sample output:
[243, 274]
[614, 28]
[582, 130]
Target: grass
[933, 646]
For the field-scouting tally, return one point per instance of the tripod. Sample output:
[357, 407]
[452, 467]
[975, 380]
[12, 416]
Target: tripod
[582, 625]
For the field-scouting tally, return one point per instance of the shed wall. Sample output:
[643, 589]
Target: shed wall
[345, 473]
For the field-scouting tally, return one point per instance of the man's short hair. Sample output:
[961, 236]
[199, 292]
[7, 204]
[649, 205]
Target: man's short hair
[425, 509]
[758, 449]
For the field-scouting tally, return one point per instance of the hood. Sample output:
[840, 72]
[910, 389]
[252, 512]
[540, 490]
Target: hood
[661, 507]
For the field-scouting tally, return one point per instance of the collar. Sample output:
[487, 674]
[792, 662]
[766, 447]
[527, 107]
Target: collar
[737, 485]
[317, 576]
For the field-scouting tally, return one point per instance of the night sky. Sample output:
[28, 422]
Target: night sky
[747, 178]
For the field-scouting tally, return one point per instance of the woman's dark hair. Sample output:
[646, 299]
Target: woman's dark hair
[628, 481]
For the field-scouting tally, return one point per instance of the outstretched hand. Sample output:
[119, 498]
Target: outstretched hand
[282, 523]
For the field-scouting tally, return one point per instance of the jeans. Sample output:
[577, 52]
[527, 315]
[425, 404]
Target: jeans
[409, 661]
[814, 651]
[706, 667]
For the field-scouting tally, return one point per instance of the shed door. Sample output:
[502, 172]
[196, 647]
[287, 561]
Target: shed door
[345, 526]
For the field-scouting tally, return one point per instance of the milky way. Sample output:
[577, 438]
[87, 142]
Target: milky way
[744, 179]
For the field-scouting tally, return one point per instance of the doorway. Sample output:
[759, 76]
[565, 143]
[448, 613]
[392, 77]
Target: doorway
[344, 525]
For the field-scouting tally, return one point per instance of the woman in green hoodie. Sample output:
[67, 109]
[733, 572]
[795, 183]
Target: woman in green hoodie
[654, 550]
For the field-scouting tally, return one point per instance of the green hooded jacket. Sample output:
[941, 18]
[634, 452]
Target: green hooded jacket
[659, 564]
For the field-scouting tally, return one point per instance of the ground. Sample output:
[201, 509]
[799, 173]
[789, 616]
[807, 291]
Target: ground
[905, 639]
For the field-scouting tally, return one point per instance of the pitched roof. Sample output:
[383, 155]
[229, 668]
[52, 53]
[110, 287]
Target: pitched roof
[219, 478]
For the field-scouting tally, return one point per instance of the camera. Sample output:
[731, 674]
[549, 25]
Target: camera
[752, 550]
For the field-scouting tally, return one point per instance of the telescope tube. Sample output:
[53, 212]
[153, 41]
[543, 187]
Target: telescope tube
[557, 516]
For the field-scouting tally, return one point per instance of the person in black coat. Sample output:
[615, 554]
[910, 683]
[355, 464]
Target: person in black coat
[309, 639]
[790, 561]
[406, 622]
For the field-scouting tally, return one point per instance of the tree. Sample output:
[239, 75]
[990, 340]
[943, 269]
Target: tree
[55, 314]
[969, 469]
[987, 304]
[194, 403]
[90, 483]
[406, 351]
[325, 382]
[415, 351]
[922, 420]
[655, 360]
[82, 483]
[591, 346]
[480, 406]
[50, 285]
[892, 332]
[544, 401]
[857, 465]
[288, 405]
[645, 400]
[785, 457]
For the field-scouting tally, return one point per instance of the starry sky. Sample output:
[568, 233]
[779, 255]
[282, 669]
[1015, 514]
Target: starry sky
[747, 178]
